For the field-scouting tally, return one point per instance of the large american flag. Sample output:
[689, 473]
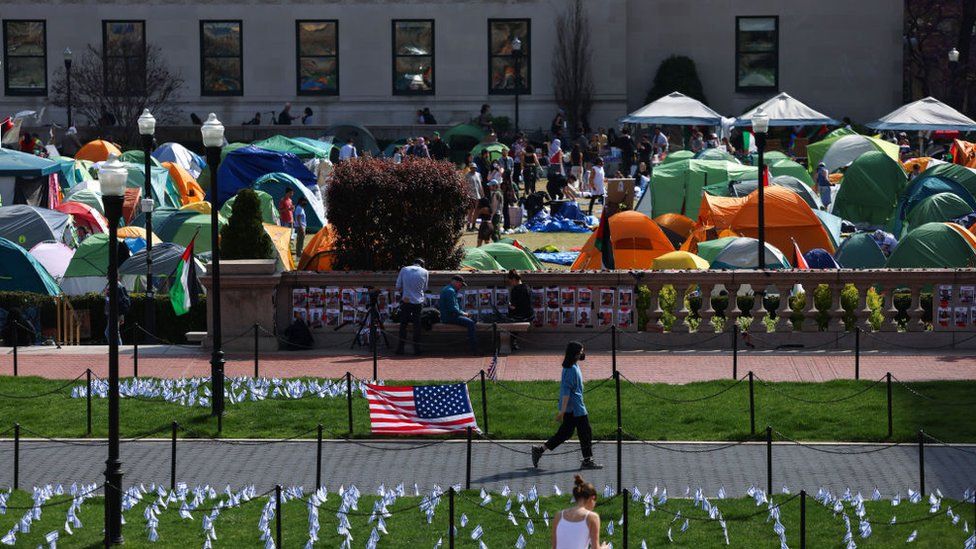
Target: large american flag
[419, 409]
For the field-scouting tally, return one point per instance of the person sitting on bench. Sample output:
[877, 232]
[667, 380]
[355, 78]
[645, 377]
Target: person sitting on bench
[451, 312]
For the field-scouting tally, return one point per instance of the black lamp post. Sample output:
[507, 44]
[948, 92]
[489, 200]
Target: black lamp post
[67, 73]
[517, 56]
[213, 139]
[760, 125]
[147, 127]
[112, 177]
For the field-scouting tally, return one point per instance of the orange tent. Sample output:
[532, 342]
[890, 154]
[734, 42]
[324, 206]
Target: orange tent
[636, 241]
[965, 233]
[963, 153]
[787, 217]
[97, 151]
[190, 190]
[130, 203]
[318, 253]
[676, 223]
[922, 162]
[719, 211]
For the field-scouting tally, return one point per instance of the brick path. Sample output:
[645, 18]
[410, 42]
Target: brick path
[664, 366]
[893, 470]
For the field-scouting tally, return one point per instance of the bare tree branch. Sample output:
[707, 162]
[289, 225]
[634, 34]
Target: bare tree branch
[572, 75]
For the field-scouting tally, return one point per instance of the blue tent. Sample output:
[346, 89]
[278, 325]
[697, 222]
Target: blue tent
[180, 155]
[245, 165]
[819, 258]
[20, 272]
[275, 184]
[17, 164]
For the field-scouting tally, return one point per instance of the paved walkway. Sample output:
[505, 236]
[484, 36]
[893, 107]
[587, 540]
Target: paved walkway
[494, 465]
[662, 367]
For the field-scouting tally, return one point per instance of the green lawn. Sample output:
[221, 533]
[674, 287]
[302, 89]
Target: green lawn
[519, 416]
[408, 527]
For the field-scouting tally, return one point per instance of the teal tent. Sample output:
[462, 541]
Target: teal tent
[17, 164]
[182, 226]
[860, 251]
[303, 148]
[139, 157]
[20, 272]
[743, 253]
[463, 136]
[708, 249]
[869, 191]
[269, 211]
[88, 197]
[933, 246]
[88, 268]
[943, 178]
[275, 184]
[163, 188]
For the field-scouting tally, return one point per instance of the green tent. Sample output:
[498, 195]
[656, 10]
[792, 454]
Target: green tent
[139, 157]
[933, 246]
[938, 207]
[479, 260]
[855, 142]
[510, 257]
[869, 191]
[955, 173]
[462, 135]
[678, 155]
[716, 154]
[88, 197]
[88, 268]
[785, 166]
[180, 228]
[159, 215]
[495, 150]
[231, 147]
[710, 248]
[840, 132]
[269, 211]
[163, 188]
[302, 148]
[20, 272]
[860, 251]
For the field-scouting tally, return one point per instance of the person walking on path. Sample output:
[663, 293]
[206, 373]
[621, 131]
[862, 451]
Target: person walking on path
[578, 527]
[451, 312]
[412, 284]
[572, 410]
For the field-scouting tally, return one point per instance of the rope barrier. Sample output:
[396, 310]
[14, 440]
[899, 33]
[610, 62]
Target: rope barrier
[836, 452]
[926, 397]
[339, 510]
[523, 452]
[696, 343]
[770, 385]
[202, 436]
[915, 347]
[681, 451]
[522, 338]
[947, 445]
[39, 395]
[840, 336]
[680, 400]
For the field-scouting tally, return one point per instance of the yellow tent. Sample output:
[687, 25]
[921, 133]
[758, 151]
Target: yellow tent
[130, 231]
[201, 207]
[679, 261]
[281, 236]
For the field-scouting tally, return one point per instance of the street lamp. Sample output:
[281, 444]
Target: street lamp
[112, 177]
[147, 127]
[67, 72]
[760, 125]
[517, 56]
[212, 132]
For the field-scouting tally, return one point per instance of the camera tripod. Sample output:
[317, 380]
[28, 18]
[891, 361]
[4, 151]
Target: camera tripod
[371, 324]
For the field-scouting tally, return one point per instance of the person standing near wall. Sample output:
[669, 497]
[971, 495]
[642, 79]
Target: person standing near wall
[451, 312]
[286, 209]
[412, 284]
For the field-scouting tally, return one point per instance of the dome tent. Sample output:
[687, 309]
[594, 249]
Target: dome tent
[246, 165]
[806, 192]
[849, 148]
[88, 268]
[165, 257]
[269, 211]
[936, 208]
[20, 272]
[679, 260]
[318, 254]
[942, 178]
[182, 226]
[869, 191]
[512, 257]
[97, 151]
[190, 161]
[477, 259]
[636, 240]
[933, 246]
[30, 225]
[54, 257]
[275, 184]
[743, 253]
[818, 258]
[860, 251]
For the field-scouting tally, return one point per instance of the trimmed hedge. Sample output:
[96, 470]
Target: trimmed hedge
[169, 327]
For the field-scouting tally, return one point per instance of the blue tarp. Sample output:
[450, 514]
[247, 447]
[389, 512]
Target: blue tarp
[244, 166]
[544, 223]
[559, 258]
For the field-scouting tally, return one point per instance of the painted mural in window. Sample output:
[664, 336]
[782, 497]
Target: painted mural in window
[509, 56]
[318, 57]
[413, 57]
[221, 58]
[757, 53]
[124, 57]
[25, 57]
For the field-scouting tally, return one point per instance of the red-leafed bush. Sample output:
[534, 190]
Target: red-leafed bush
[385, 215]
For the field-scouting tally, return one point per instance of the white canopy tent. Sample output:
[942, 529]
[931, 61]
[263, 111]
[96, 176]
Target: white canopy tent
[784, 110]
[676, 109]
[925, 114]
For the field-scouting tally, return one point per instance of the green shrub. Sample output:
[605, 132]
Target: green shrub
[244, 236]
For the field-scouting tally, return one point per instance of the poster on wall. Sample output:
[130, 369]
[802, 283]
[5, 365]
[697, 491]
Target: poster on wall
[607, 297]
[942, 316]
[626, 298]
[584, 297]
[332, 317]
[299, 298]
[501, 299]
[945, 294]
[316, 317]
[348, 315]
[539, 316]
[966, 294]
[552, 318]
[625, 318]
[538, 298]
[332, 298]
[972, 316]
[552, 297]
[567, 296]
[583, 319]
[961, 316]
[348, 298]
[568, 316]
[606, 317]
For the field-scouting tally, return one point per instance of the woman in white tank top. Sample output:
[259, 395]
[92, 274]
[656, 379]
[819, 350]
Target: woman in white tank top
[578, 527]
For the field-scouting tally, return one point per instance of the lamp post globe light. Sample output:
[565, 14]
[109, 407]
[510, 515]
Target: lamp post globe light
[147, 129]
[517, 55]
[212, 132]
[760, 125]
[953, 55]
[112, 177]
[67, 72]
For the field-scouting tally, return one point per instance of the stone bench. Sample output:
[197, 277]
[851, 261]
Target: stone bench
[505, 331]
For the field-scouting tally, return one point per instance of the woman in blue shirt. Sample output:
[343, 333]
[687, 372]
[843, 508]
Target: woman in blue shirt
[572, 411]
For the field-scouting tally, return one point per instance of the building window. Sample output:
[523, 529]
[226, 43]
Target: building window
[318, 57]
[757, 53]
[25, 57]
[508, 56]
[221, 58]
[124, 57]
[413, 57]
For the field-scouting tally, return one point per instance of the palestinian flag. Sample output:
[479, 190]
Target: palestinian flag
[184, 290]
[749, 142]
[602, 242]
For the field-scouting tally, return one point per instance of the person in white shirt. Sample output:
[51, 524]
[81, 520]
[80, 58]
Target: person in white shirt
[348, 151]
[598, 186]
[659, 142]
[412, 284]
[579, 526]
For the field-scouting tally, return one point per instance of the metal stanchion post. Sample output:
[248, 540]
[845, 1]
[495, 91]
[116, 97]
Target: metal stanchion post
[613, 347]
[277, 515]
[467, 465]
[620, 457]
[735, 349]
[484, 402]
[372, 343]
[921, 462]
[16, 341]
[803, 519]
[494, 337]
[890, 422]
[16, 456]
[88, 401]
[349, 399]
[626, 517]
[256, 349]
[450, 520]
[172, 456]
[616, 380]
[752, 405]
[857, 353]
[769, 460]
[135, 351]
[318, 460]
